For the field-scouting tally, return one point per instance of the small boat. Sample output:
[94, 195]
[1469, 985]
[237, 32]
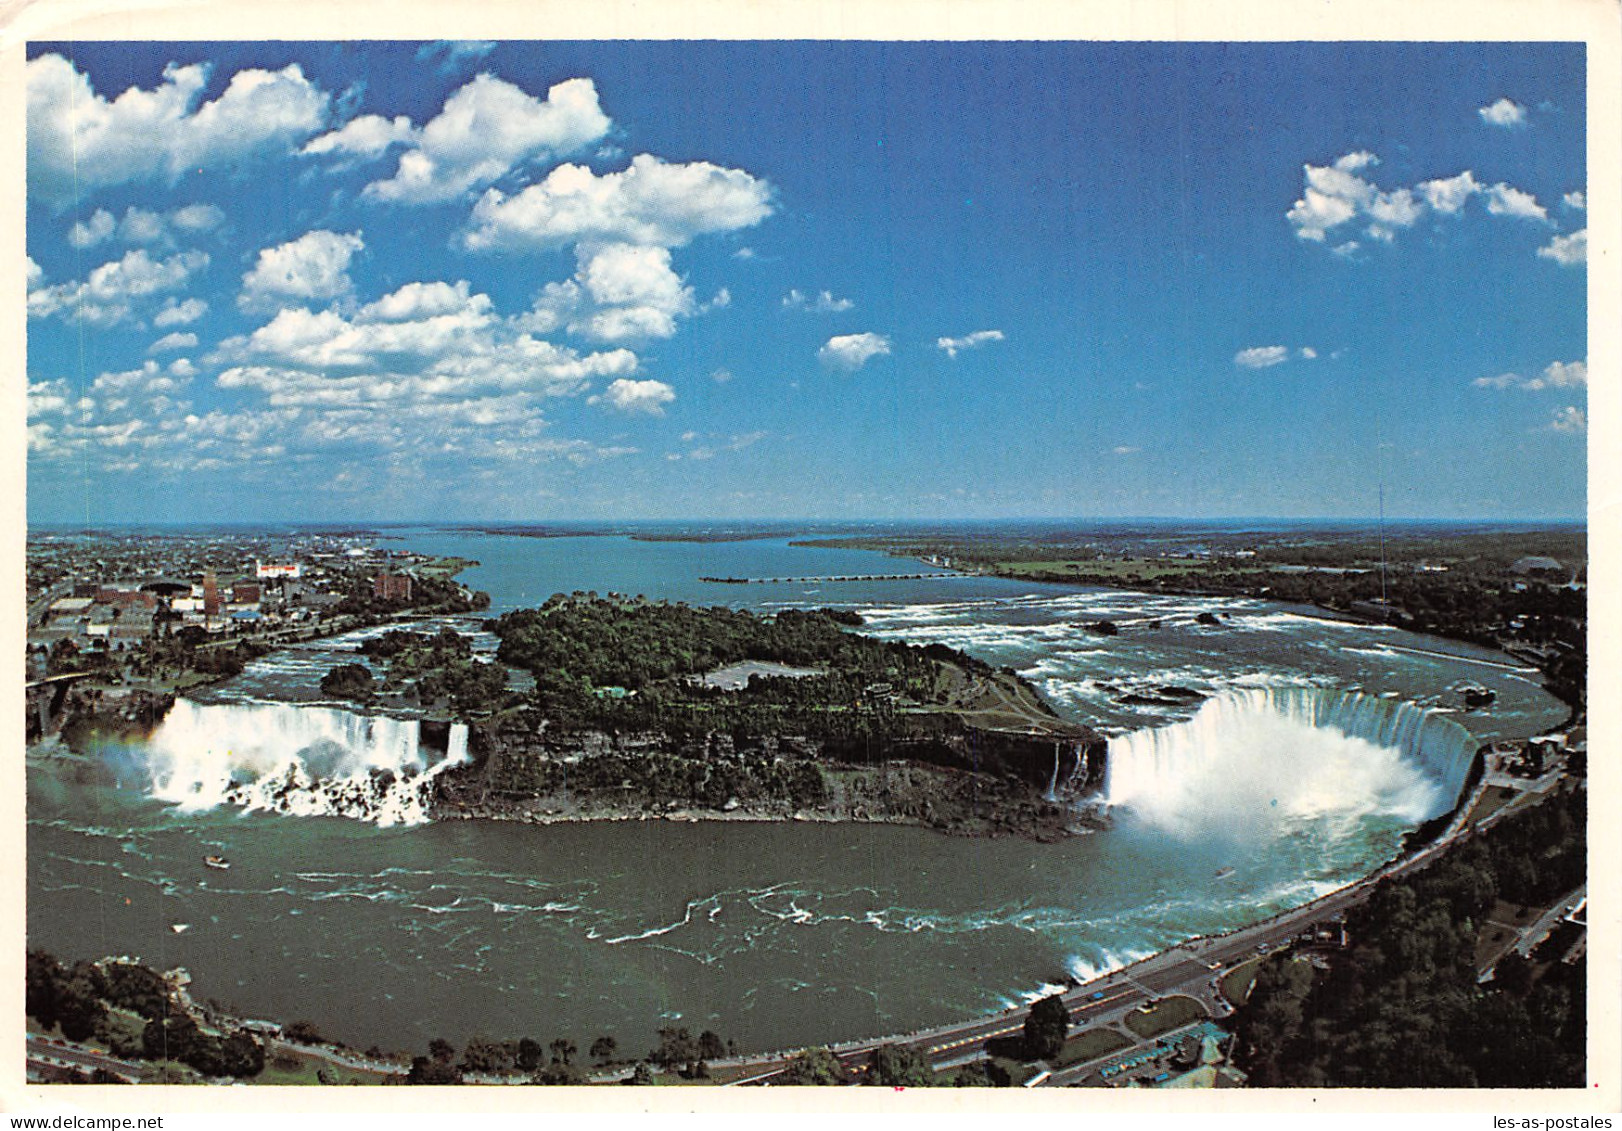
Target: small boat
[219, 862]
[1223, 873]
[179, 928]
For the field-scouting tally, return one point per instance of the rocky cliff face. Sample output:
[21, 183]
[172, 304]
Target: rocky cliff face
[963, 780]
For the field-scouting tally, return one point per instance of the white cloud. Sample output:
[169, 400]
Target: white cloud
[1503, 113]
[824, 303]
[313, 266]
[175, 341]
[744, 253]
[648, 397]
[111, 291]
[1260, 357]
[721, 376]
[88, 233]
[1557, 375]
[486, 129]
[79, 141]
[733, 444]
[1125, 450]
[1568, 251]
[365, 137]
[1569, 419]
[968, 341]
[1335, 195]
[452, 53]
[620, 292]
[197, 218]
[1504, 200]
[852, 351]
[425, 343]
[651, 202]
[1577, 200]
[179, 314]
[141, 226]
[1307, 353]
[1448, 194]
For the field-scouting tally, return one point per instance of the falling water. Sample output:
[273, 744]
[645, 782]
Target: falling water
[1263, 761]
[304, 761]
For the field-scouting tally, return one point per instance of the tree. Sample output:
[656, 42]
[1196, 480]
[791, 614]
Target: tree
[710, 1045]
[563, 1050]
[348, 681]
[304, 1033]
[559, 1073]
[442, 1050]
[484, 1055]
[603, 1049]
[899, 1066]
[642, 1076]
[529, 1054]
[676, 1046]
[425, 1070]
[815, 1067]
[1046, 1027]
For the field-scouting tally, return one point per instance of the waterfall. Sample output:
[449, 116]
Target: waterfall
[1262, 758]
[305, 761]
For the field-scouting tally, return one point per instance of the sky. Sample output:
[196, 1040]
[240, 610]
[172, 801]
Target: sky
[518, 281]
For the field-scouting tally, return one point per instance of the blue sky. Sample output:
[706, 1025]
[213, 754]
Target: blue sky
[613, 280]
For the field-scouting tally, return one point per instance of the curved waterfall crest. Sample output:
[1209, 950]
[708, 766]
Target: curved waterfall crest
[1292, 753]
[305, 761]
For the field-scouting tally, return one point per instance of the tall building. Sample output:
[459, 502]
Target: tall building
[211, 594]
[392, 587]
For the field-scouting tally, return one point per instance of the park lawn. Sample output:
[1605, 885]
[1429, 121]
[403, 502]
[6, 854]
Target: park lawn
[302, 1068]
[1236, 983]
[1163, 1017]
[1089, 1045]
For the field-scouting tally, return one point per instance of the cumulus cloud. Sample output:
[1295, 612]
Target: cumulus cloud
[1568, 251]
[1337, 195]
[1577, 200]
[824, 303]
[1307, 353]
[486, 129]
[142, 226]
[180, 313]
[424, 343]
[1569, 419]
[1260, 357]
[852, 351]
[1448, 194]
[313, 266]
[79, 141]
[1557, 375]
[174, 341]
[1503, 113]
[647, 397]
[1503, 200]
[968, 341]
[363, 138]
[620, 292]
[112, 291]
[652, 202]
[732, 444]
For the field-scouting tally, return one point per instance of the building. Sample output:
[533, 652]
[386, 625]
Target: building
[276, 571]
[211, 595]
[392, 587]
[245, 593]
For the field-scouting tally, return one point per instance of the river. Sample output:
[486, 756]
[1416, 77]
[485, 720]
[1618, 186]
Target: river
[1321, 743]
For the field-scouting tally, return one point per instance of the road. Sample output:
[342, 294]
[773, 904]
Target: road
[1189, 969]
[52, 1052]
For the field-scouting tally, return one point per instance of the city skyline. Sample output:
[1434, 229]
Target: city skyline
[396, 281]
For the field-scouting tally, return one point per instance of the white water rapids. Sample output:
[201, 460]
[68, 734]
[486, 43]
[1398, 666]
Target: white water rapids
[304, 761]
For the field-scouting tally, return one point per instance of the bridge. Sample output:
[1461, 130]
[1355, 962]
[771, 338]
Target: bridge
[829, 578]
